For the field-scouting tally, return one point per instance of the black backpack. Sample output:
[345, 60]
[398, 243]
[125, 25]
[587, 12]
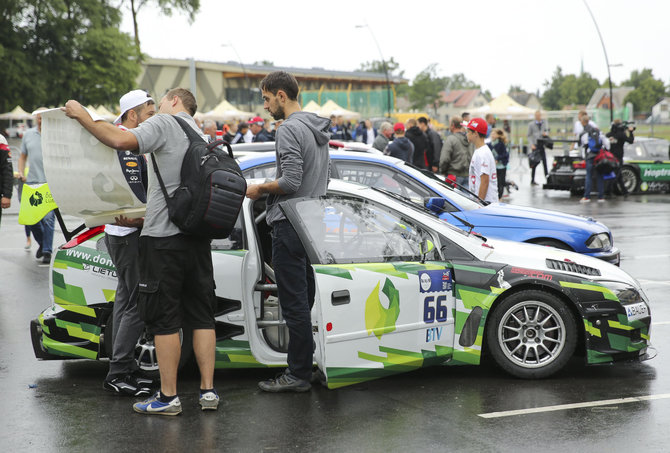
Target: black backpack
[212, 189]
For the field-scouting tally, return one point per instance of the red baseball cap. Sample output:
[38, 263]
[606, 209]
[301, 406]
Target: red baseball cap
[398, 127]
[478, 125]
[256, 119]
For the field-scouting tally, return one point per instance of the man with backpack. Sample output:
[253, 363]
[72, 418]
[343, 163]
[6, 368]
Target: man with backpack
[593, 141]
[176, 276]
[303, 170]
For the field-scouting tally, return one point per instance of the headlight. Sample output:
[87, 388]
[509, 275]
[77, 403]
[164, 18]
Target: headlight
[626, 293]
[599, 241]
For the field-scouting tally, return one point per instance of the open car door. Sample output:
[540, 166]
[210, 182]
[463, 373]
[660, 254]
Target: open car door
[379, 309]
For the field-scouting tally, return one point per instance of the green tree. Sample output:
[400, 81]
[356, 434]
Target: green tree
[60, 50]
[568, 89]
[378, 66]
[648, 90]
[426, 87]
[515, 89]
[165, 7]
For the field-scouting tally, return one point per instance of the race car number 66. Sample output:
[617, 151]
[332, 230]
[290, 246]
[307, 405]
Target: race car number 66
[434, 310]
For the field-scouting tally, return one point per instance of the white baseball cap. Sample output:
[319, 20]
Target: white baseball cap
[130, 100]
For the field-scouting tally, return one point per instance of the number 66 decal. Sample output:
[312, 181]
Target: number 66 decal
[434, 309]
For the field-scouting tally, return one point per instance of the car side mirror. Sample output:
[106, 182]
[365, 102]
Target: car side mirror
[435, 204]
[425, 247]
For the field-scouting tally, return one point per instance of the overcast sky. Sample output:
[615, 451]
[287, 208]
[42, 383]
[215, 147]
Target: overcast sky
[494, 43]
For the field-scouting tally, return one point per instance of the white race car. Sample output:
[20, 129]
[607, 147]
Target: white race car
[397, 289]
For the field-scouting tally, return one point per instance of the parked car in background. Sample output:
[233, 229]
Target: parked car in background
[464, 210]
[645, 168]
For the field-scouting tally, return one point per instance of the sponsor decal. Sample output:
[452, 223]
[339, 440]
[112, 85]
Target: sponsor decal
[435, 281]
[656, 173]
[380, 320]
[131, 164]
[501, 280]
[532, 273]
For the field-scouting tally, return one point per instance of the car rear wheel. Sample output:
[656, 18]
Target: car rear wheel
[145, 349]
[531, 334]
[631, 180]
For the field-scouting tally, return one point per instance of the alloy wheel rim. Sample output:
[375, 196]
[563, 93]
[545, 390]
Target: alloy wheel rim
[531, 334]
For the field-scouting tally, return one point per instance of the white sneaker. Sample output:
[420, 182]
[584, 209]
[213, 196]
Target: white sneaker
[209, 401]
[585, 200]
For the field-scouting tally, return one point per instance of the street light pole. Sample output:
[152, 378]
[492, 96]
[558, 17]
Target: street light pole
[386, 69]
[609, 76]
[244, 71]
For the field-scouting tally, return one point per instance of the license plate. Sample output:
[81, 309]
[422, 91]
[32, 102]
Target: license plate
[637, 311]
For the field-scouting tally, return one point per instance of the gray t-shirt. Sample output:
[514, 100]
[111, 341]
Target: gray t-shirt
[32, 146]
[162, 135]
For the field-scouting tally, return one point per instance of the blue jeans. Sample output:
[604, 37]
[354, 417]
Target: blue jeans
[44, 232]
[600, 182]
[296, 289]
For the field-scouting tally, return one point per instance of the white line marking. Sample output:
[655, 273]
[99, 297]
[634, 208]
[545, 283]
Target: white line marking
[562, 407]
[655, 282]
[663, 323]
[643, 257]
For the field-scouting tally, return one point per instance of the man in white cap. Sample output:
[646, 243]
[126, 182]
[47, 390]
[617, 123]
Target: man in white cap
[122, 240]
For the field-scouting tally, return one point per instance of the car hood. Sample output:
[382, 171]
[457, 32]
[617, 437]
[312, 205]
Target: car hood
[532, 256]
[527, 217]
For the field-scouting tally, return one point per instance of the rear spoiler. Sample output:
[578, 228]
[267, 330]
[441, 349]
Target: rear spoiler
[68, 234]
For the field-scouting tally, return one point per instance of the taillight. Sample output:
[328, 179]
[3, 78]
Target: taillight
[83, 237]
[579, 164]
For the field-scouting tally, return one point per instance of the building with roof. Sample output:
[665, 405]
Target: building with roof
[455, 102]
[238, 83]
[529, 100]
[601, 98]
[660, 112]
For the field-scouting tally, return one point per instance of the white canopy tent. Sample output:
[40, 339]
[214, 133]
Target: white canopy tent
[506, 108]
[225, 111]
[332, 108]
[313, 107]
[17, 114]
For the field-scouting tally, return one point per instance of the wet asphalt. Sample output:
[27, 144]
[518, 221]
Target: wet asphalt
[60, 405]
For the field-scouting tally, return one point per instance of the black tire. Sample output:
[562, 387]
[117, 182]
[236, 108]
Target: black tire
[552, 243]
[526, 347]
[145, 350]
[630, 178]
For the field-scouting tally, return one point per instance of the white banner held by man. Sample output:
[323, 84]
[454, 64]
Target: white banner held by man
[84, 175]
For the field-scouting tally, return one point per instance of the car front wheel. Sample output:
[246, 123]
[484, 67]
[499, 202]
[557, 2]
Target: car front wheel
[631, 180]
[531, 334]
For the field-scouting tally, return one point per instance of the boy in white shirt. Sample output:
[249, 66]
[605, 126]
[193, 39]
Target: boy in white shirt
[483, 176]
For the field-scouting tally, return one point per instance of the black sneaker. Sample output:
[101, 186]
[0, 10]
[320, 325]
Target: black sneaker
[39, 254]
[142, 381]
[125, 385]
[285, 382]
[46, 259]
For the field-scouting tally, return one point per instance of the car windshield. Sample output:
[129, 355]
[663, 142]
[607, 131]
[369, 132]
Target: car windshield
[657, 150]
[352, 230]
[467, 202]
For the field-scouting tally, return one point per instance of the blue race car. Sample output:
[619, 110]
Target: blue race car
[462, 209]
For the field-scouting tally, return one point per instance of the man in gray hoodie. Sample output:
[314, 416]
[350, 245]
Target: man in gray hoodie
[303, 170]
[456, 153]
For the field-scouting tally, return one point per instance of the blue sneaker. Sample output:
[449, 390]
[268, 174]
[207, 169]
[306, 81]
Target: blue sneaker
[209, 401]
[154, 406]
